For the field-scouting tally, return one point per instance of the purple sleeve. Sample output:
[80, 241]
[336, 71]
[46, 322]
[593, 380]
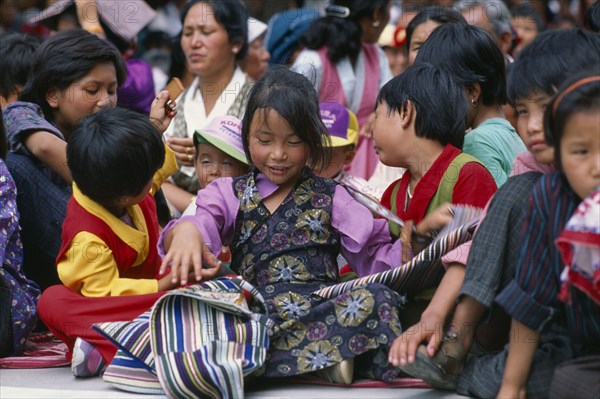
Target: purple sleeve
[20, 120]
[217, 207]
[366, 242]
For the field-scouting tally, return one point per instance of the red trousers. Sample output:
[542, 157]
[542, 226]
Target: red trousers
[69, 315]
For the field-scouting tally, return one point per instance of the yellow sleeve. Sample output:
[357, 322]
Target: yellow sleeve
[88, 267]
[169, 167]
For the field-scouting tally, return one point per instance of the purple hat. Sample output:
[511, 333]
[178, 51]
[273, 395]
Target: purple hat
[341, 123]
[224, 133]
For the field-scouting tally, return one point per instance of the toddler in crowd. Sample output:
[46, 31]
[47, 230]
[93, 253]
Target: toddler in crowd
[219, 153]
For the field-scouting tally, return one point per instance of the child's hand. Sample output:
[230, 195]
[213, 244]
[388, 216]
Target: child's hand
[184, 150]
[166, 283]
[436, 220]
[508, 391]
[187, 248]
[161, 113]
[404, 348]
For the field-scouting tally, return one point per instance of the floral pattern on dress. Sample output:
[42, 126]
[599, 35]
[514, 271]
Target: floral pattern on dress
[247, 267]
[294, 254]
[304, 192]
[249, 199]
[247, 230]
[316, 222]
[318, 355]
[280, 241]
[352, 308]
[360, 343]
[23, 293]
[291, 305]
[320, 200]
[292, 334]
[316, 330]
[288, 268]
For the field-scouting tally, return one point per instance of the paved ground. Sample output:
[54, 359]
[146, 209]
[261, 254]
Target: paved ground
[59, 383]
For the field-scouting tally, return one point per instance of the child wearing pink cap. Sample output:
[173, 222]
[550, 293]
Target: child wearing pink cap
[219, 153]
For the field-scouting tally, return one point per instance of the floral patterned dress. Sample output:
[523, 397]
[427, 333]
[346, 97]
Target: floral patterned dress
[17, 293]
[291, 253]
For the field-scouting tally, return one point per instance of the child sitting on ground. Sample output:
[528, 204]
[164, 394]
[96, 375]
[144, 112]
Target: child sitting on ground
[488, 271]
[572, 127]
[342, 125]
[428, 145]
[219, 153]
[108, 261]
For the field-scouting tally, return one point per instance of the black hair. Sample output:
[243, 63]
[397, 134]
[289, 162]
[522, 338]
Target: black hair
[64, 58]
[429, 88]
[3, 144]
[295, 99]
[232, 15]
[568, 101]
[552, 57]
[16, 50]
[341, 35]
[525, 10]
[471, 56]
[441, 15]
[591, 19]
[114, 153]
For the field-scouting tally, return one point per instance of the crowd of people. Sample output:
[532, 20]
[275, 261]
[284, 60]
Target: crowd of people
[297, 134]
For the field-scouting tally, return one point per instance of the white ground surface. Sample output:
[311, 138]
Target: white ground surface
[59, 383]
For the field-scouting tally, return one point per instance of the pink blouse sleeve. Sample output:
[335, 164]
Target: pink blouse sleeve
[365, 241]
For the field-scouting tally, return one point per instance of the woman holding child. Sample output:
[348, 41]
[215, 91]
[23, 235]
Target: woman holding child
[214, 38]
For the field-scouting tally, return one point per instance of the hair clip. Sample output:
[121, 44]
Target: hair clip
[337, 11]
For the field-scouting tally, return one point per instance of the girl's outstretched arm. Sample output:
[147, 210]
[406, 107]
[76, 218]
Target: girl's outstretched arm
[185, 247]
[50, 150]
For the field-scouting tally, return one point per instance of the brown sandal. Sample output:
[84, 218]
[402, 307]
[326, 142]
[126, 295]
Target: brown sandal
[442, 370]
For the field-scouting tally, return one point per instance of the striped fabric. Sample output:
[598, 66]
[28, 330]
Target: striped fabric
[127, 373]
[424, 270]
[198, 341]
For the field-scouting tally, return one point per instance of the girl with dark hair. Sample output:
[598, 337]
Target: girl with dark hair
[285, 227]
[342, 59]
[18, 295]
[476, 63]
[73, 74]
[214, 38]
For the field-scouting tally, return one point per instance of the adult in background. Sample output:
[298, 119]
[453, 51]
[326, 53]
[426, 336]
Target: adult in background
[214, 38]
[341, 57]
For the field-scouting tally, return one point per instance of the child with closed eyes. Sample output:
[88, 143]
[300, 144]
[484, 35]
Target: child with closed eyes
[285, 227]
